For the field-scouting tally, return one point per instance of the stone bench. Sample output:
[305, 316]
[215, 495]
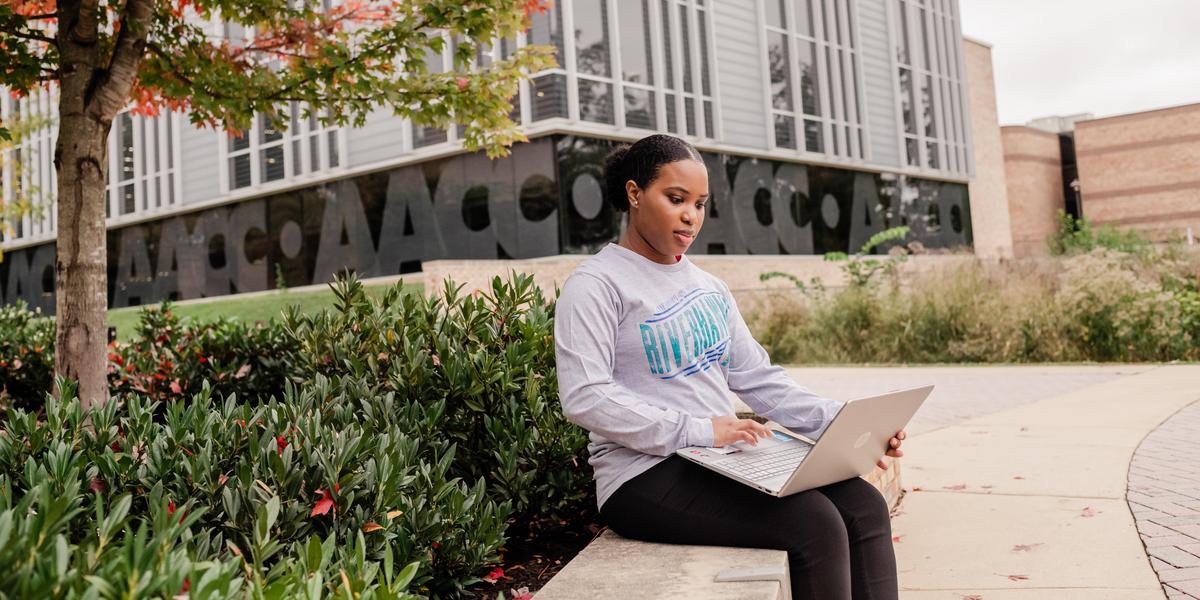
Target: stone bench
[615, 567]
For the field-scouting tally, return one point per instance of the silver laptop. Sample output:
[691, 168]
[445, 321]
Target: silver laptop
[786, 463]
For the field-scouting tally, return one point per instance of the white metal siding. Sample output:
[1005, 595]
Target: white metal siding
[380, 138]
[739, 70]
[198, 166]
[877, 77]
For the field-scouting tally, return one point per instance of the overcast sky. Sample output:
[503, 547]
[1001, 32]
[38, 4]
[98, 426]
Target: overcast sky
[1107, 57]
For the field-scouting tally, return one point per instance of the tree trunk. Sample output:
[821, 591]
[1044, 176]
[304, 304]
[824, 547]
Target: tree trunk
[81, 269]
[80, 156]
[91, 95]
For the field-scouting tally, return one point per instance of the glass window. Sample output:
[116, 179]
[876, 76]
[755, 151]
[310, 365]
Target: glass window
[634, 25]
[591, 37]
[686, 46]
[804, 17]
[774, 13]
[549, 96]
[785, 131]
[781, 85]
[809, 91]
[595, 101]
[639, 108]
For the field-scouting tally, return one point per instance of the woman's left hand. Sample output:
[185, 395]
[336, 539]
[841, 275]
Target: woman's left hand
[893, 448]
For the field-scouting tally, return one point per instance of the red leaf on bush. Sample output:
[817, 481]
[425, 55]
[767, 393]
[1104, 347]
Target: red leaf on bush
[462, 83]
[176, 388]
[203, 360]
[324, 504]
[116, 446]
[281, 442]
[16, 363]
[494, 575]
[242, 371]
[222, 479]
[437, 362]
[171, 508]
[186, 585]
[97, 485]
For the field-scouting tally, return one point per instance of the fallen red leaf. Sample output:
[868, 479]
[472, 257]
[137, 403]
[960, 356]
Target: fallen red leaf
[494, 575]
[1089, 512]
[1018, 477]
[324, 504]
[1025, 547]
[956, 487]
[896, 538]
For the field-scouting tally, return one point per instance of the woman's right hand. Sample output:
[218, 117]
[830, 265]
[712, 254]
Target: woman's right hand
[728, 429]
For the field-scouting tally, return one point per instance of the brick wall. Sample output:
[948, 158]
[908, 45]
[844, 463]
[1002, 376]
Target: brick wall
[990, 223]
[1033, 166]
[1142, 171]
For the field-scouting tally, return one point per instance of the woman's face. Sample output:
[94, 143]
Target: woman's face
[668, 214]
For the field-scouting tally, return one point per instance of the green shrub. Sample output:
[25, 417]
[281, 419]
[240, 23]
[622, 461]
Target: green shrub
[170, 359]
[295, 497]
[477, 370]
[1078, 236]
[26, 355]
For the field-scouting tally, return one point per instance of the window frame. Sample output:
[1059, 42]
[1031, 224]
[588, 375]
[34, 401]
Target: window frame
[837, 61]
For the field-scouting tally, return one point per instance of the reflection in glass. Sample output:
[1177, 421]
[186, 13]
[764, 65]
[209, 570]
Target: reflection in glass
[549, 96]
[591, 37]
[785, 128]
[812, 136]
[595, 101]
[639, 108]
[809, 91]
[781, 72]
[634, 25]
[685, 35]
[775, 12]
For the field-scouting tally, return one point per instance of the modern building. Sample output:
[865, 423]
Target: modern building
[1138, 171]
[821, 121]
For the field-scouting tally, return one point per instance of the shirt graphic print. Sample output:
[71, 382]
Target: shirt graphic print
[687, 334]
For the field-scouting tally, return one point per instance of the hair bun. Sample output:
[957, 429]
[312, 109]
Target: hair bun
[615, 176]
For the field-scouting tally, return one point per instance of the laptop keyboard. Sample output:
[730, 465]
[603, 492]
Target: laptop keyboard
[766, 464]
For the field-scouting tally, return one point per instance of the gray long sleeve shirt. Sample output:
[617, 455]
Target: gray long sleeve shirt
[647, 353]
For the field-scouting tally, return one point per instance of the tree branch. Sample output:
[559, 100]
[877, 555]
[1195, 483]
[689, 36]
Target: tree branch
[128, 53]
[31, 35]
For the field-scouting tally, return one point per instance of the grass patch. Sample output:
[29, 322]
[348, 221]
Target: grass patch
[248, 310]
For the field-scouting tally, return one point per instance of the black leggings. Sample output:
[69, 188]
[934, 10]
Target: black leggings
[838, 537]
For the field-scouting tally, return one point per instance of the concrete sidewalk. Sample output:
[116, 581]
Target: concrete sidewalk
[1029, 502]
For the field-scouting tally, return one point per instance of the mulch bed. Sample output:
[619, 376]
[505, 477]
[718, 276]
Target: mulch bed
[537, 551]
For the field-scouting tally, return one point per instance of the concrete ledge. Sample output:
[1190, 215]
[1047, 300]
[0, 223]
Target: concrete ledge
[615, 567]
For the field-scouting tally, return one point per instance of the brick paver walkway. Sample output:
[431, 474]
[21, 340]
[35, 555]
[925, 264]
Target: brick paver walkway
[1164, 495]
